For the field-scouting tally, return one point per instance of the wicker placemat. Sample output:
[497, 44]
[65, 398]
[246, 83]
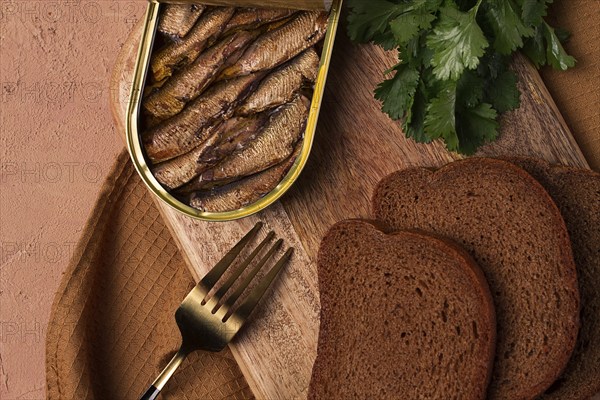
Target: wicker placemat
[112, 327]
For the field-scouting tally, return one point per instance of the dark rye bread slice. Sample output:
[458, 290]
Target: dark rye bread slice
[403, 316]
[576, 192]
[513, 229]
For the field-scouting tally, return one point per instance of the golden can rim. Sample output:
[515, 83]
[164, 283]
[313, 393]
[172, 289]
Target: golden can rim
[134, 143]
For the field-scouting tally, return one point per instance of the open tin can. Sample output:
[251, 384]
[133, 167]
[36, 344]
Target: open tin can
[134, 140]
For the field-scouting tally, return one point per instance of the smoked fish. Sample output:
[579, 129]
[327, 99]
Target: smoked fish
[178, 19]
[231, 135]
[280, 86]
[238, 132]
[252, 18]
[245, 192]
[190, 82]
[184, 52]
[188, 129]
[180, 170]
[279, 45]
[273, 145]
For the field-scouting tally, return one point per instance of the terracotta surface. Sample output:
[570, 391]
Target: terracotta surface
[57, 143]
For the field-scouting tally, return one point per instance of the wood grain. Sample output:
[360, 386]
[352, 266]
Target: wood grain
[356, 145]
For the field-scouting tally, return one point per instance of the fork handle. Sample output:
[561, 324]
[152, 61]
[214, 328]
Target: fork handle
[166, 374]
[151, 394]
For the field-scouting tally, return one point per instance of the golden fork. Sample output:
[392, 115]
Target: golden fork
[210, 323]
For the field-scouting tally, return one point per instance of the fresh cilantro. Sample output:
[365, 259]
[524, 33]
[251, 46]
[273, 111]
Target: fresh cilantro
[475, 127]
[407, 25]
[457, 42]
[386, 40]
[507, 26]
[535, 48]
[453, 79]
[371, 19]
[462, 126]
[398, 91]
[534, 11]
[503, 93]
[414, 123]
[562, 34]
[469, 89]
[415, 53]
[556, 55]
[545, 48]
[440, 119]
[493, 64]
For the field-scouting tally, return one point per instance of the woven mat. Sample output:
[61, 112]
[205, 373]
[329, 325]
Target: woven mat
[112, 327]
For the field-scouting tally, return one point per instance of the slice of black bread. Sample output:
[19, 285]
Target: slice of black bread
[515, 232]
[403, 316]
[576, 192]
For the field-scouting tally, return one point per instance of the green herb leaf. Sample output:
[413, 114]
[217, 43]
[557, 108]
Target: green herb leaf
[457, 42]
[535, 48]
[386, 40]
[370, 19]
[556, 55]
[464, 5]
[415, 52]
[503, 93]
[453, 79]
[534, 11]
[545, 48]
[396, 93]
[406, 26]
[492, 64]
[562, 34]
[414, 124]
[469, 89]
[440, 119]
[507, 26]
[475, 127]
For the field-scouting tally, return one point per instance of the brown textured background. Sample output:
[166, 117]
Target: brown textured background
[577, 92]
[57, 144]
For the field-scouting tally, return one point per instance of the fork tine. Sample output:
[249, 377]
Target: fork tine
[218, 270]
[238, 292]
[230, 281]
[257, 293]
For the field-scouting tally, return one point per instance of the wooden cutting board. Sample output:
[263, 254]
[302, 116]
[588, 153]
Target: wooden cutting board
[356, 145]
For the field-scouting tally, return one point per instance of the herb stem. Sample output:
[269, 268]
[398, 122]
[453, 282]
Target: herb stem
[476, 7]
